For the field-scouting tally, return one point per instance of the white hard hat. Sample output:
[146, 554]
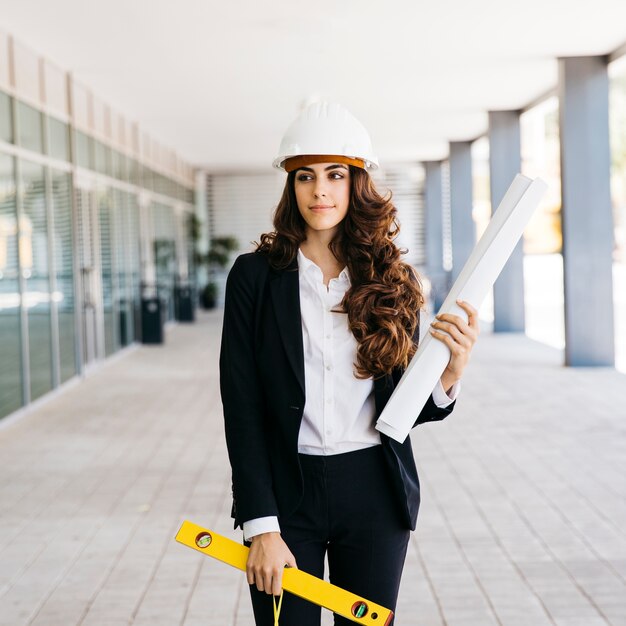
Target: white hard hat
[325, 129]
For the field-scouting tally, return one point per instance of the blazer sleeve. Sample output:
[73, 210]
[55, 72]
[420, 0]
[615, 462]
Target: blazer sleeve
[242, 399]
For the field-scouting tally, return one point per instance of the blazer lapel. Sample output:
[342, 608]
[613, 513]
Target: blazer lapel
[285, 293]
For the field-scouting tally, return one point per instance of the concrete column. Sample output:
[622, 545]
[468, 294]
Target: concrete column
[504, 164]
[461, 198]
[433, 206]
[586, 211]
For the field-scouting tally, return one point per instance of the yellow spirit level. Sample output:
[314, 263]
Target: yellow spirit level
[295, 581]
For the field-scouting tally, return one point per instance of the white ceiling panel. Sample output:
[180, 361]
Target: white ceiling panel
[220, 81]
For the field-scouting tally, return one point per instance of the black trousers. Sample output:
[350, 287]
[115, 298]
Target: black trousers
[347, 511]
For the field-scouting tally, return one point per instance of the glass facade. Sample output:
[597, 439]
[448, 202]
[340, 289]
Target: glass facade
[543, 261]
[83, 147]
[120, 268]
[126, 264]
[59, 134]
[130, 223]
[617, 128]
[106, 264]
[190, 239]
[481, 211]
[11, 394]
[33, 234]
[29, 123]
[70, 249]
[102, 158]
[6, 118]
[164, 249]
[62, 246]
[618, 159]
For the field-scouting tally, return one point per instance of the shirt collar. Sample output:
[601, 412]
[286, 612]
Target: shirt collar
[305, 265]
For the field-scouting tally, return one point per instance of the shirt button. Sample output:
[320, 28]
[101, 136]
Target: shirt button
[328, 400]
[328, 367]
[329, 432]
[327, 336]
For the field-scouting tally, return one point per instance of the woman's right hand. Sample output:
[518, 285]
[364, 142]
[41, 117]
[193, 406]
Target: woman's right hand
[267, 558]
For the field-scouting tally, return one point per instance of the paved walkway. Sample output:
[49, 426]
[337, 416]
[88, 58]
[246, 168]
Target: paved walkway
[523, 520]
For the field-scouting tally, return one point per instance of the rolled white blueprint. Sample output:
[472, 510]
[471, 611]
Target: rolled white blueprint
[473, 284]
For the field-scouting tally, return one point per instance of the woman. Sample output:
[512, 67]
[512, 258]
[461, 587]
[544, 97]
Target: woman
[320, 322]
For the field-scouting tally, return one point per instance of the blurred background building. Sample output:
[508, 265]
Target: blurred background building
[93, 213]
[127, 148]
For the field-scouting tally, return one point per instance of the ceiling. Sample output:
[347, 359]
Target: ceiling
[220, 81]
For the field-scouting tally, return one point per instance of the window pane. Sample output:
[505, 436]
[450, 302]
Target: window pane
[6, 118]
[83, 150]
[123, 167]
[10, 355]
[160, 183]
[132, 238]
[115, 164]
[190, 239]
[106, 260]
[59, 139]
[34, 266]
[29, 125]
[102, 157]
[122, 282]
[148, 178]
[62, 248]
[164, 254]
[617, 130]
[135, 172]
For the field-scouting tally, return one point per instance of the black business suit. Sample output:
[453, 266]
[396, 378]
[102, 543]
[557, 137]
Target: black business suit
[263, 394]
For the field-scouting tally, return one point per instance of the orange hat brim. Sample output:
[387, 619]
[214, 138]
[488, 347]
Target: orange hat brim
[296, 162]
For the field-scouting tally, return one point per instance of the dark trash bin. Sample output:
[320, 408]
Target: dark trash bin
[123, 326]
[152, 319]
[183, 303]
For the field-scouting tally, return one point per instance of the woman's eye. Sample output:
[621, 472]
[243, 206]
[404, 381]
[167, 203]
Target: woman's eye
[332, 176]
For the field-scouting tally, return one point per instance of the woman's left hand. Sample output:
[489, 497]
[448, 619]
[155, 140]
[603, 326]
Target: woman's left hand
[460, 337]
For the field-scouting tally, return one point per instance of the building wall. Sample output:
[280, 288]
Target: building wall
[90, 208]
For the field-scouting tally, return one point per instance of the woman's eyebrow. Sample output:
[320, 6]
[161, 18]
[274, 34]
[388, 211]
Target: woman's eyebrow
[330, 167]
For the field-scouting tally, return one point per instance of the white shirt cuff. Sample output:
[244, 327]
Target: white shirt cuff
[260, 525]
[441, 398]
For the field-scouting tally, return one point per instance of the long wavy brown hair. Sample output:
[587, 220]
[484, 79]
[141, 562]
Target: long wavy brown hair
[385, 294]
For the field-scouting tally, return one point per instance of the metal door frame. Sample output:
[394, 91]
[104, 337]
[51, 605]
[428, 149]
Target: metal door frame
[88, 224]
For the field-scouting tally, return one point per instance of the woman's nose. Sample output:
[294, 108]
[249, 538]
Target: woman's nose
[319, 190]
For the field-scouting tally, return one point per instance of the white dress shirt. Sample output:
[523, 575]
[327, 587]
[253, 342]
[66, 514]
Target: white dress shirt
[339, 408]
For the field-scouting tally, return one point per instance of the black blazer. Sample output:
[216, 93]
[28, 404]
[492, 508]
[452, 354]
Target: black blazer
[263, 391]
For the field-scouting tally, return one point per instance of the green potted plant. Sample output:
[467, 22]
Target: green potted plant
[208, 296]
[217, 257]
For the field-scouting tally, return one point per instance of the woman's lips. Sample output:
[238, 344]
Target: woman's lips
[320, 208]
